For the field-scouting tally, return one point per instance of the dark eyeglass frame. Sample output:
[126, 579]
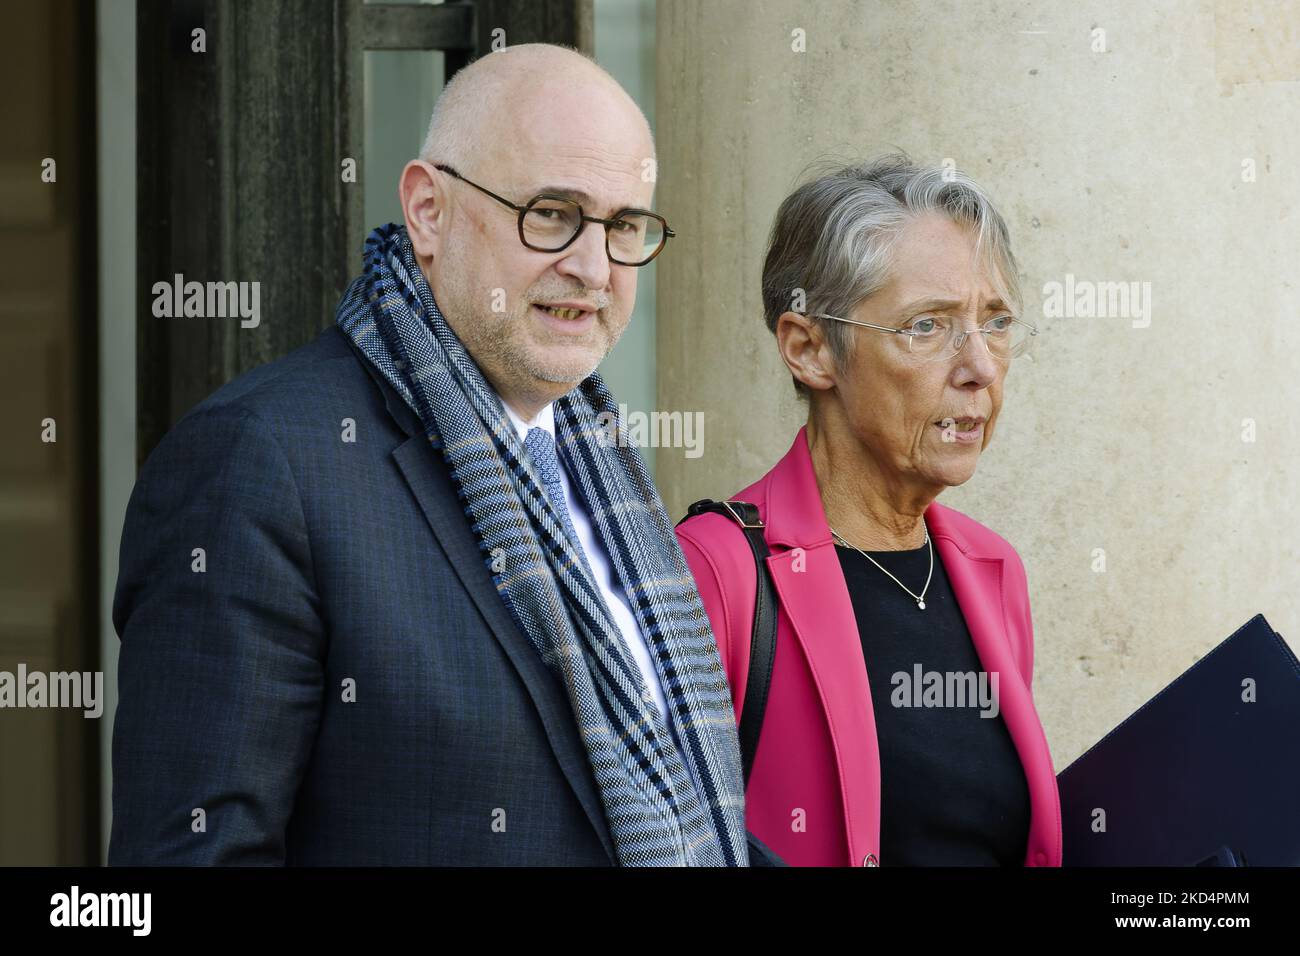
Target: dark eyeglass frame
[583, 218]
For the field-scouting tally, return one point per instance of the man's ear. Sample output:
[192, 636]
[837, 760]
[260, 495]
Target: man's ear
[422, 190]
[803, 346]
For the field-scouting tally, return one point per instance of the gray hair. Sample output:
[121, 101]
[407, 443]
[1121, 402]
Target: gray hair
[834, 237]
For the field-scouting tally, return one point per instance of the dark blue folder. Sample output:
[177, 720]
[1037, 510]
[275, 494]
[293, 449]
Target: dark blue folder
[1197, 775]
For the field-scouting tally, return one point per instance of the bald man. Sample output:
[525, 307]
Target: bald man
[402, 596]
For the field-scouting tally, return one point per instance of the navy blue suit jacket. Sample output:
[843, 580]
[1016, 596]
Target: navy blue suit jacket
[340, 683]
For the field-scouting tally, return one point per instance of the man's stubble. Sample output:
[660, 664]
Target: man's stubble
[512, 341]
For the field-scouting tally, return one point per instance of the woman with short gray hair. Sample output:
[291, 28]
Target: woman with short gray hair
[904, 631]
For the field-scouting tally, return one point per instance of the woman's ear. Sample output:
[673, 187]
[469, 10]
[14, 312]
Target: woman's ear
[803, 346]
[423, 194]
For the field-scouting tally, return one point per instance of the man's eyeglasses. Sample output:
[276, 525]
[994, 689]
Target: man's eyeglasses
[936, 337]
[549, 223]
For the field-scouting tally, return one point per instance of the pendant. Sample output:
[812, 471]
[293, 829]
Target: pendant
[921, 605]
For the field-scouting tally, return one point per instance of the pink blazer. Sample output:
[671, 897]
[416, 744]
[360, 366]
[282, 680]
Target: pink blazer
[818, 750]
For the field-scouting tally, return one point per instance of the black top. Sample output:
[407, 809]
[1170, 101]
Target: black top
[953, 790]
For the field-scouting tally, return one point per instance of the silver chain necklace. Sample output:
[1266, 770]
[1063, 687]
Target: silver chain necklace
[919, 598]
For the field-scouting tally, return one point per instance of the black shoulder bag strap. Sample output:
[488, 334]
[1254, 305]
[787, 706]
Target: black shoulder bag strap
[762, 640]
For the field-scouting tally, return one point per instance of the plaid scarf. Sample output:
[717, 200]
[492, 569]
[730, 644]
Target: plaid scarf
[668, 800]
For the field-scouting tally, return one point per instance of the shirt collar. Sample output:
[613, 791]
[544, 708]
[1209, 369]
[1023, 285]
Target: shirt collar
[545, 419]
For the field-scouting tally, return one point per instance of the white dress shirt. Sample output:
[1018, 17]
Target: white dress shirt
[610, 589]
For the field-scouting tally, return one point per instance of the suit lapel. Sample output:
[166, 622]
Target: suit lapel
[816, 600]
[426, 473]
[978, 582]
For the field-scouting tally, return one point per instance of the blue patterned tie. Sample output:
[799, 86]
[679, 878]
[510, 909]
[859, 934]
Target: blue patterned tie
[541, 449]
